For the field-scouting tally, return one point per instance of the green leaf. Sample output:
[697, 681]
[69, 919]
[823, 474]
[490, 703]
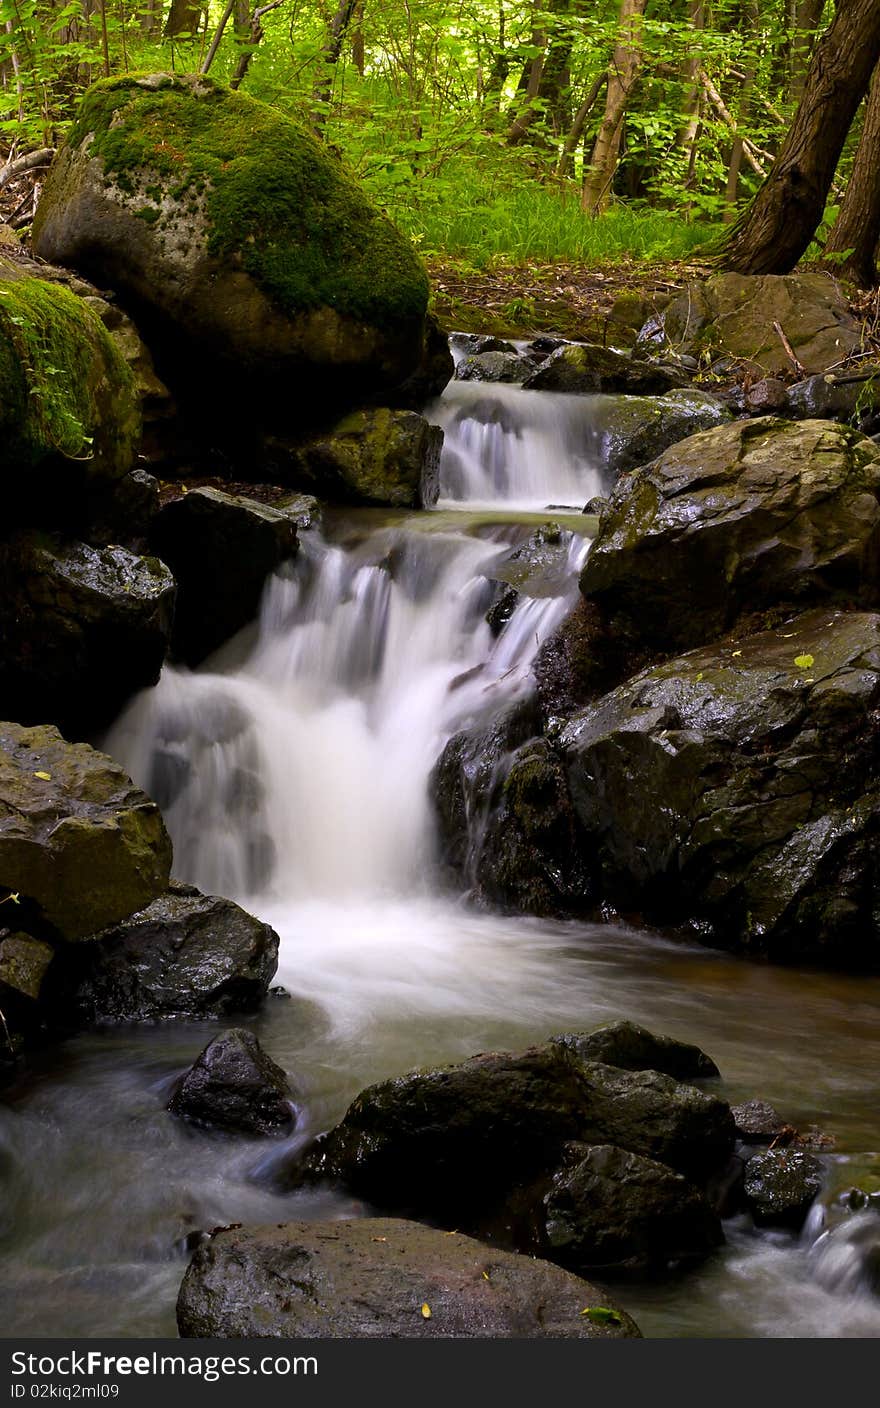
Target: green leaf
[804, 662]
[602, 1315]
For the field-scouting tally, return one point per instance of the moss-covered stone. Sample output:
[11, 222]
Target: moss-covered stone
[80, 845]
[581, 368]
[23, 964]
[374, 457]
[230, 227]
[69, 414]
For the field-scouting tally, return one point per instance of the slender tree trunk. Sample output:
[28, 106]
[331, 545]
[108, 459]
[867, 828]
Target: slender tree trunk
[358, 49]
[150, 16]
[775, 229]
[693, 94]
[255, 34]
[570, 145]
[857, 227]
[336, 32]
[622, 74]
[737, 147]
[804, 19]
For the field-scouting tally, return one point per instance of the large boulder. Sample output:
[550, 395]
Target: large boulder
[234, 1086]
[612, 1212]
[69, 414]
[732, 316]
[260, 274]
[378, 1278]
[465, 1143]
[80, 846]
[582, 368]
[221, 548]
[633, 1048]
[81, 629]
[372, 457]
[737, 519]
[632, 430]
[737, 787]
[185, 955]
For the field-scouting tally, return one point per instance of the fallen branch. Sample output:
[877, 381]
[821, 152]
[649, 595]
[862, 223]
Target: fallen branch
[29, 162]
[789, 350]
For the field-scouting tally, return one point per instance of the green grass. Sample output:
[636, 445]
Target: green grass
[537, 223]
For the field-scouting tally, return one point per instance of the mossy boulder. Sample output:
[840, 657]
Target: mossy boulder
[234, 1086]
[221, 548]
[371, 1278]
[376, 457]
[80, 846]
[254, 264]
[730, 317]
[737, 788]
[632, 430]
[610, 1212]
[69, 412]
[736, 519]
[582, 368]
[81, 629]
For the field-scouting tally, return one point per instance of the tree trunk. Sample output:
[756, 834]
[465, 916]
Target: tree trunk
[693, 94]
[570, 145]
[737, 149]
[183, 20]
[622, 75]
[857, 227]
[804, 19]
[776, 228]
[336, 32]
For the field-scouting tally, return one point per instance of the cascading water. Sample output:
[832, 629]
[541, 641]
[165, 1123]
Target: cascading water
[293, 772]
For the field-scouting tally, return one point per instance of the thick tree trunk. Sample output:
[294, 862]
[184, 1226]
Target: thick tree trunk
[622, 75]
[184, 19]
[774, 231]
[857, 227]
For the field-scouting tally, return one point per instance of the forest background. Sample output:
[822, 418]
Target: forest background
[528, 146]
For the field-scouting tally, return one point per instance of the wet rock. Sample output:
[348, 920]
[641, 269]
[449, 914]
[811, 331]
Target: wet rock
[501, 610]
[221, 548]
[506, 367]
[736, 787]
[633, 1048]
[373, 457]
[124, 514]
[848, 396]
[539, 567]
[475, 344]
[24, 961]
[81, 629]
[635, 429]
[185, 955]
[611, 1212]
[581, 368]
[767, 397]
[757, 1122]
[731, 316]
[80, 845]
[780, 1187]
[435, 370]
[234, 1086]
[259, 272]
[464, 1143]
[733, 519]
[373, 1277]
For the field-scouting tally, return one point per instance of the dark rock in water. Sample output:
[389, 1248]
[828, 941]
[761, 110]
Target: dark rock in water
[81, 629]
[475, 344]
[435, 370]
[373, 457]
[737, 519]
[260, 274]
[852, 396]
[377, 1278]
[80, 845]
[124, 515]
[732, 316]
[633, 1048]
[539, 567]
[610, 1211]
[757, 1122]
[221, 548]
[185, 955]
[493, 367]
[737, 787]
[581, 368]
[781, 1186]
[234, 1086]
[635, 429]
[457, 1143]
[500, 611]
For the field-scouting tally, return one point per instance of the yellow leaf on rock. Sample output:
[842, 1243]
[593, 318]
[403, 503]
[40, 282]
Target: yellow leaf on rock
[46, 776]
[426, 1311]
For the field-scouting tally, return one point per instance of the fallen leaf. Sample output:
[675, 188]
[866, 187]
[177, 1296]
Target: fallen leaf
[426, 1311]
[46, 776]
[602, 1315]
[804, 662]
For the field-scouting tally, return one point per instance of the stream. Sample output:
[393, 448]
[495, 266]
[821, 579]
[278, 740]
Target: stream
[293, 770]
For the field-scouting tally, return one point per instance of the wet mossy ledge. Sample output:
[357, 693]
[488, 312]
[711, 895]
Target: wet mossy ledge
[69, 412]
[232, 234]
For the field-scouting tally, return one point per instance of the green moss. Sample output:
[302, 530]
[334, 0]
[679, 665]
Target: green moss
[55, 354]
[277, 201]
[149, 214]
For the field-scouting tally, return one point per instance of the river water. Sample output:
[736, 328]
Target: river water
[293, 772]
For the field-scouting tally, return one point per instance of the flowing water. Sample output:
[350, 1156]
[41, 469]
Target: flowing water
[293, 772]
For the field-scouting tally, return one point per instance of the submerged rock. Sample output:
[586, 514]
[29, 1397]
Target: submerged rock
[260, 273]
[80, 845]
[732, 316]
[185, 955]
[737, 787]
[781, 1186]
[234, 1086]
[373, 457]
[382, 1278]
[582, 368]
[221, 548]
[736, 519]
[633, 1048]
[611, 1211]
[81, 629]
